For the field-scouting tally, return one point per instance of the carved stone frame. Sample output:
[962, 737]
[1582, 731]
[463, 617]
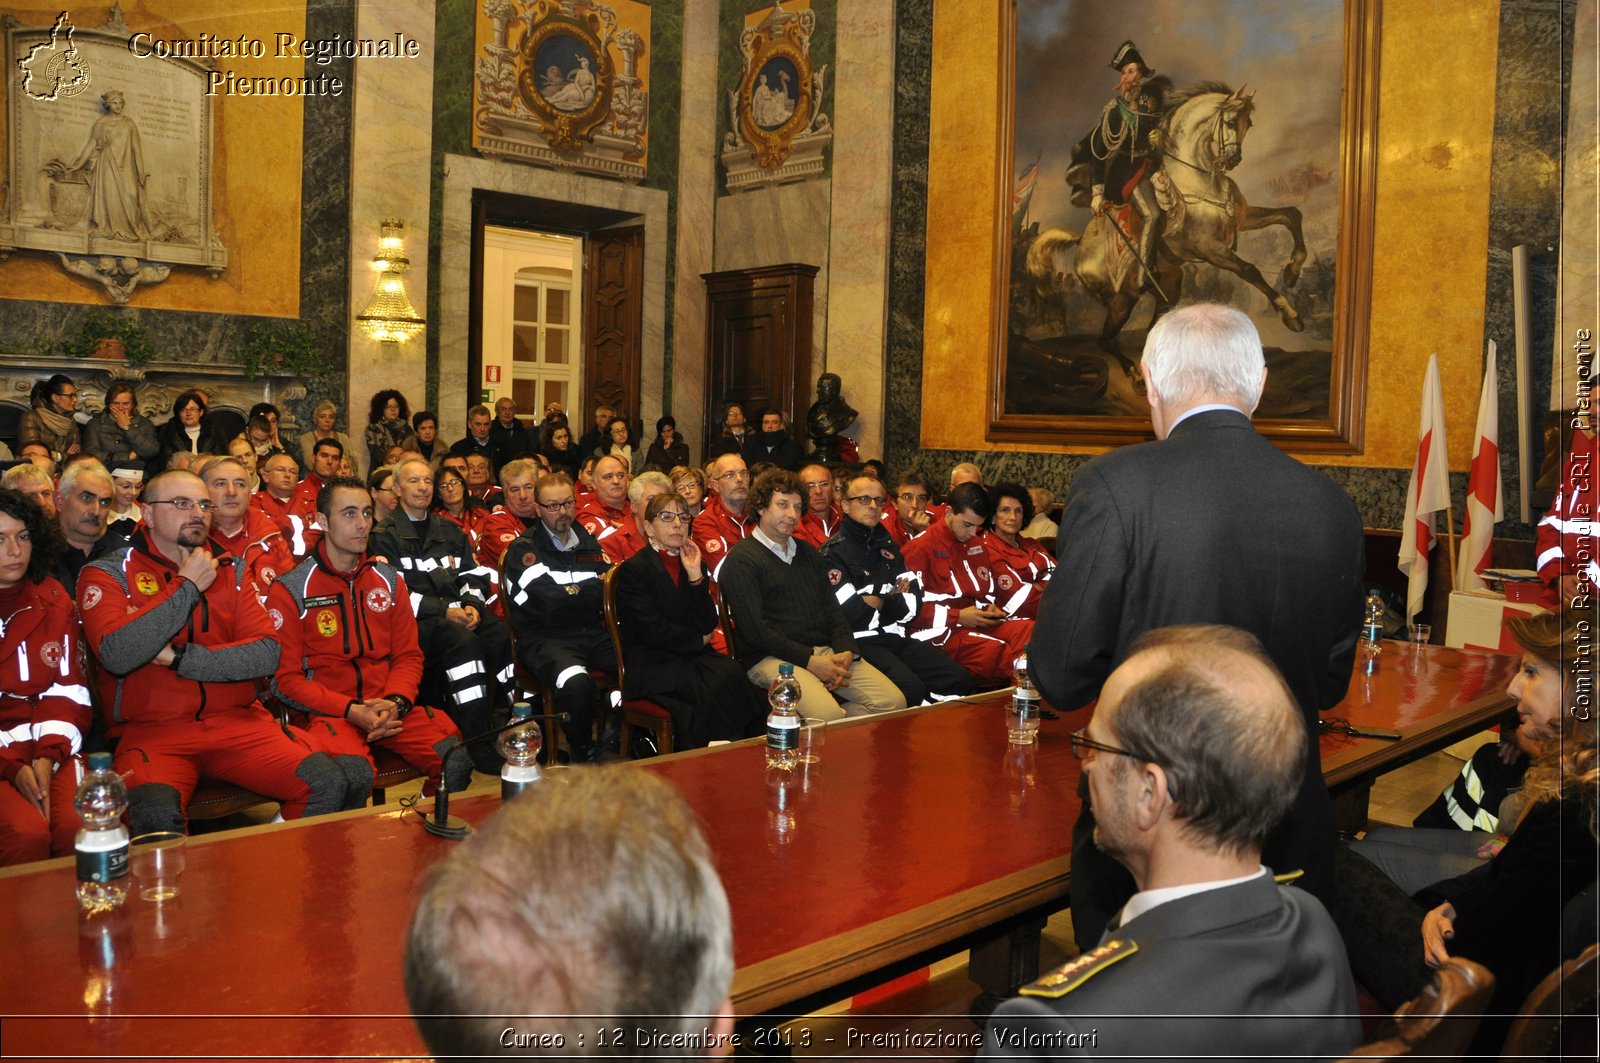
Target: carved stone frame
[1342, 432]
[565, 131]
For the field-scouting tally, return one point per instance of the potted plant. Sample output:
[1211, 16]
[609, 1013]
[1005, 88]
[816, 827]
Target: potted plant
[104, 334]
[287, 349]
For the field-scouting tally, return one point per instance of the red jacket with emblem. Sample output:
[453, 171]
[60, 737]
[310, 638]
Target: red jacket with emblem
[133, 603]
[295, 519]
[954, 576]
[603, 522]
[260, 547]
[346, 636]
[818, 530]
[1021, 573]
[715, 531]
[496, 533]
[44, 697]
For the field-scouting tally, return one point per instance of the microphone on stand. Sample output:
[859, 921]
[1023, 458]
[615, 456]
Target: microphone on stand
[442, 824]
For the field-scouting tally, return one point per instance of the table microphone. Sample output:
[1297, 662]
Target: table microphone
[442, 824]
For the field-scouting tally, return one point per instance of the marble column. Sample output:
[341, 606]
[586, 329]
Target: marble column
[858, 279]
[697, 192]
[390, 160]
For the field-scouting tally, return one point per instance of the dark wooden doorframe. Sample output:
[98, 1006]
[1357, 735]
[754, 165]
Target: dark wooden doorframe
[758, 343]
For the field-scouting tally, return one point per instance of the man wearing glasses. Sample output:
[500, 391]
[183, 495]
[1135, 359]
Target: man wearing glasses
[181, 640]
[555, 599]
[908, 514]
[724, 520]
[822, 515]
[1193, 755]
[880, 595]
[467, 649]
[279, 498]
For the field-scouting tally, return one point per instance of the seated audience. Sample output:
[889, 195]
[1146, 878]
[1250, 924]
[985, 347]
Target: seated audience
[240, 531]
[630, 538]
[466, 647]
[49, 421]
[1505, 913]
[357, 693]
[452, 502]
[590, 443]
[690, 484]
[180, 641]
[385, 499]
[668, 450]
[959, 613]
[667, 620]
[734, 435]
[726, 519]
[480, 482]
[618, 443]
[1041, 526]
[119, 433]
[425, 434]
[44, 710]
[510, 439]
[322, 427]
[589, 901]
[605, 513]
[275, 440]
[584, 487]
[821, 518]
[388, 425]
[127, 481]
[83, 502]
[555, 603]
[963, 472]
[33, 482]
[184, 433]
[282, 501]
[773, 444]
[1193, 755]
[495, 532]
[1020, 566]
[325, 457]
[556, 447]
[784, 610]
[246, 455]
[880, 596]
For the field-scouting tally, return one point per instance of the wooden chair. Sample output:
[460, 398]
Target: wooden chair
[1557, 1021]
[636, 712]
[1440, 1021]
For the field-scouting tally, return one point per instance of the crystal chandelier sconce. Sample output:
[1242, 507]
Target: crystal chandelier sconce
[389, 316]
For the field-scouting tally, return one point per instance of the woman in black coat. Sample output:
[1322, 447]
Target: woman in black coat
[667, 618]
[668, 450]
[184, 431]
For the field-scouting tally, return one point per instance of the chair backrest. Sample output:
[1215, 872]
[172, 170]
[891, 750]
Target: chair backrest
[1441, 1020]
[613, 622]
[725, 621]
[1571, 991]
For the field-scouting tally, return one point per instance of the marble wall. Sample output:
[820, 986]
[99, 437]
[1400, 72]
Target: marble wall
[697, 192]
[1521, 51]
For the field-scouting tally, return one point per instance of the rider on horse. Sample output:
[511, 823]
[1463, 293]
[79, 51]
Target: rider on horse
[1118, 159]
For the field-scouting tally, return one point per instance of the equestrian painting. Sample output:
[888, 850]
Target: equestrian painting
[1191, 153]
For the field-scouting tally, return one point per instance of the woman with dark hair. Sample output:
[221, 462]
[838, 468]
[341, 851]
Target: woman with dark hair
[120, 434]
[1507, 913]
[45, 711]
[668, 450]
[617, 443]
[388, 425]
[1021, 566]
[734, 435]
[453, 502]
[667, 619]
[184, 433]
[425, 431]
[50, 419]
[559, 450]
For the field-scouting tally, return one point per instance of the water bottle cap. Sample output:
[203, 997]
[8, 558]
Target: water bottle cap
[522, 709]
[786, 668]
[99, 761]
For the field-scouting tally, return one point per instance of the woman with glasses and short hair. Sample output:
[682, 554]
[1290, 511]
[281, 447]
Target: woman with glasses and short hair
[453, 502]
[50, 420]
[689, 482]
[185, 431]
[120, 434]
[667, 620]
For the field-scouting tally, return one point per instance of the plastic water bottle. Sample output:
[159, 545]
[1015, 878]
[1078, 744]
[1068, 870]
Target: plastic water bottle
[103, 842]
[1022, 722]
[1372, 632]
[783, 722]
[520, 745]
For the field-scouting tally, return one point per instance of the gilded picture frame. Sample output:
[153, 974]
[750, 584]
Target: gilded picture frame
[565, 78]
[1052, 379]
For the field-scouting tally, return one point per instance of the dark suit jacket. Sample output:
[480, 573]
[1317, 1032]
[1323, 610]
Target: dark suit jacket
[663, 625]
[1256, 949]
[1212, 525]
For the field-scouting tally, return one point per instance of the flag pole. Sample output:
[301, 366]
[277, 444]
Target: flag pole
[1450, 542]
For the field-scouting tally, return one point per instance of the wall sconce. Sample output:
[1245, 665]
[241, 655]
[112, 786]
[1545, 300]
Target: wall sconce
[389, 316]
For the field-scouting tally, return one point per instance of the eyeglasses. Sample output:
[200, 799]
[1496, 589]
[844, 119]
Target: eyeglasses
[1338, 725]
[67, 394]
[386, 490]
[868, 500]
[734, 474]
[674, 518]
[812, 485]
[907, 496]
[1081, 741]
[183, 504]
[557, 507]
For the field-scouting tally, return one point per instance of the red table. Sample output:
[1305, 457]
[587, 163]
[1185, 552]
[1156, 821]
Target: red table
[919, 831]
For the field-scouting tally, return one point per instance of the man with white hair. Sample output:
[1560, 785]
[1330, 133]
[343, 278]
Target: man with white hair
[630, 538]
[83, 502]
[583, 919]
[1209, 524]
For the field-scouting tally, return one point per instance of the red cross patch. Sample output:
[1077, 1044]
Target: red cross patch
[91, 597]
[835, 576]
[379, 600]
[50, 653]
[277, 619]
